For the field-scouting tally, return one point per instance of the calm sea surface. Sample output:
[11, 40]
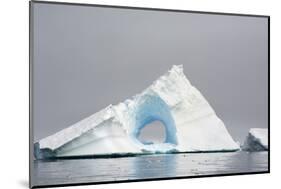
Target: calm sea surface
[144, 167]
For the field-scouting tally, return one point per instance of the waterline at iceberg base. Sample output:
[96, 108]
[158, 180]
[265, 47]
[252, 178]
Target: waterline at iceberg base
[191, 124]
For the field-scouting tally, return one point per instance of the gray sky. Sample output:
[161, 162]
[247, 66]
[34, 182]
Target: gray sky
[86, 58]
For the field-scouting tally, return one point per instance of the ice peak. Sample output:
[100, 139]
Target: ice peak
[177, 69]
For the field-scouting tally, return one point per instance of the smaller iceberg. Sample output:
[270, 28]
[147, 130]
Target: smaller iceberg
[256, 140]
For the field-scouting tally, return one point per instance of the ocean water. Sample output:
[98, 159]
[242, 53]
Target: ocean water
[67, 171]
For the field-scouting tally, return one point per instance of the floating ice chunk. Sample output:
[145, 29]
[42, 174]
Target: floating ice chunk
[190, 123]
[257, 140]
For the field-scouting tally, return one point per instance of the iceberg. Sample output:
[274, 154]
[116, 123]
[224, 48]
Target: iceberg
[256, 140]
[191, 125]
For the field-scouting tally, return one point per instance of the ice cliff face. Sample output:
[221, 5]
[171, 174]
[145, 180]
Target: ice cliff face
[257, 140]
[190, 124]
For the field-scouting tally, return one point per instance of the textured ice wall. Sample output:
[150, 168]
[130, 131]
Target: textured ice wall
[191, 124]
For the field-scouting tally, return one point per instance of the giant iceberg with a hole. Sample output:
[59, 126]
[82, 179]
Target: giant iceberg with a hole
[191, 125]
[256, 140]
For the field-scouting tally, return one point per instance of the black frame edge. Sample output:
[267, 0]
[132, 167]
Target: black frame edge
[149, 180]
[30, 55]
[268, 63]
[147, 8]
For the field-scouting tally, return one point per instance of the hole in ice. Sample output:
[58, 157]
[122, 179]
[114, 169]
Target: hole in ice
[153, 133]
[152, 108]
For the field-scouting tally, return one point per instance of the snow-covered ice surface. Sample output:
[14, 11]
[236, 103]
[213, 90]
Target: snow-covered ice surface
[191, 124]
[256, 140]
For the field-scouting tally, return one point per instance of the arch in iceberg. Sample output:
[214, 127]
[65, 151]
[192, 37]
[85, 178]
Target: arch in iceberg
[152, 108]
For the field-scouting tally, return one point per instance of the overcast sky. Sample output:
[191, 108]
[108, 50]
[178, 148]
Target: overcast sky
[86, 58]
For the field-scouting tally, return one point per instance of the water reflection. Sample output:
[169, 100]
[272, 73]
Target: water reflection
[144, 167]
[155, 166]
